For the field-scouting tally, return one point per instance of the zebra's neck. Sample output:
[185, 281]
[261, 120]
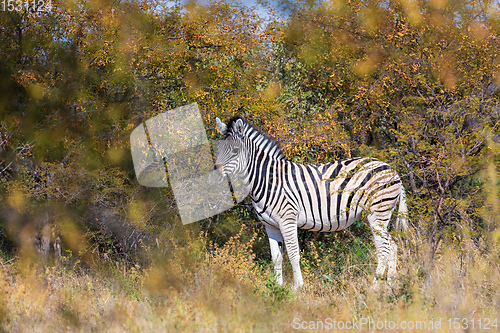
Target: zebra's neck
[264, 161]
[264, 143]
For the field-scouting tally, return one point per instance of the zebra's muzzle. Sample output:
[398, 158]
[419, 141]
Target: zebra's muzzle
[217, 177]
[218, 167]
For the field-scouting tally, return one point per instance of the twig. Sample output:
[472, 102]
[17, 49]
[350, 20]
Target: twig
[8, 261]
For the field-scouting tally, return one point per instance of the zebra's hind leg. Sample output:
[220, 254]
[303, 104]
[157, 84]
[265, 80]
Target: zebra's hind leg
[391, 260]
[386, 249]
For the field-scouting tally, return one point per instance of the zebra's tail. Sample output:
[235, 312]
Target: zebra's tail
[402, 217]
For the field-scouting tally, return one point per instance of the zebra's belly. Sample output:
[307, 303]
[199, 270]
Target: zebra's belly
[311, 223]
[335, 224]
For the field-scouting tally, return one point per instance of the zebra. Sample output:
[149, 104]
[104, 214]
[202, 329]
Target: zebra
[319, 197]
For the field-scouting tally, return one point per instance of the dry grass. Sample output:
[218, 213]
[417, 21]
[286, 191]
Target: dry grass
[205, 288]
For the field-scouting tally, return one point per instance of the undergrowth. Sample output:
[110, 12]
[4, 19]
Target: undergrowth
[202, 286]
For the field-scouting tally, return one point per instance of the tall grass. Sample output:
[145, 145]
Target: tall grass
[205, 287]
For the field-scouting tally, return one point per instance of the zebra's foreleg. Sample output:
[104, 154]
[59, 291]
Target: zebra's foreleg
[276, 245]
[289, 232]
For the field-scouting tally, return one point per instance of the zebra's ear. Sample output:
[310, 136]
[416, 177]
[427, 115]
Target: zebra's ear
[221, 126]
[239, 127]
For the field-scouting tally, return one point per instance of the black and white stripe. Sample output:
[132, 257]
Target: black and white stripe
[325, 197]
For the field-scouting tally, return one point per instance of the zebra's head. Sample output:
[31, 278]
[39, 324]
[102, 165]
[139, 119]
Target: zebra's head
[232, 156]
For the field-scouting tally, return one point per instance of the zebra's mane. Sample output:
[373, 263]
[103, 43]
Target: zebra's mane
[268, 143]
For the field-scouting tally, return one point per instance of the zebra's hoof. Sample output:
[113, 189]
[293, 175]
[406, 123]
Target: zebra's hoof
[297, 286]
